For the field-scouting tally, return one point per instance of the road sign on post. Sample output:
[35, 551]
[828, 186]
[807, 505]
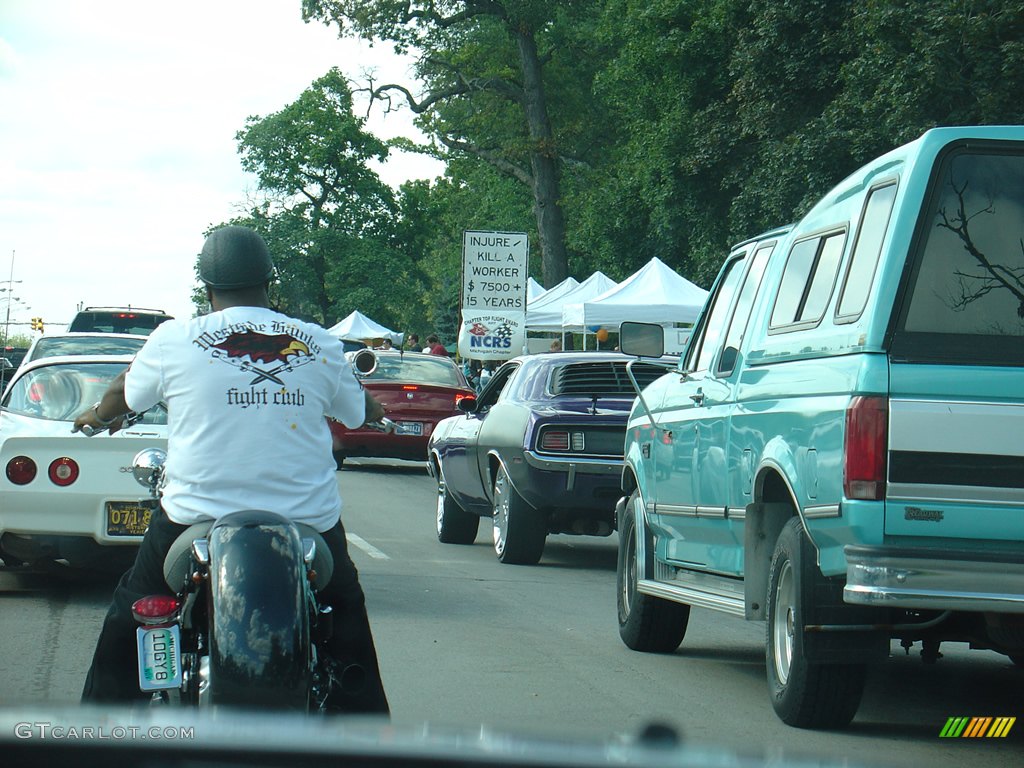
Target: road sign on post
[494, 278]
[494, 271]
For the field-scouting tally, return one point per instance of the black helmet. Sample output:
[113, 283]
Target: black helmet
[235, 257]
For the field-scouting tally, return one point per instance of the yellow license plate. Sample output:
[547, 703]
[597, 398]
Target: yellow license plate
[128, 518]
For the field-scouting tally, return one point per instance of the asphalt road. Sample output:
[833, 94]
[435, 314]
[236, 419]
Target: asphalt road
[464, 640]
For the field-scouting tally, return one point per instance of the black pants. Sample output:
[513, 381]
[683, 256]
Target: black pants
[113, 676]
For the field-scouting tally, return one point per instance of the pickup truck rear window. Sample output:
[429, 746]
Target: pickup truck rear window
[965, 295]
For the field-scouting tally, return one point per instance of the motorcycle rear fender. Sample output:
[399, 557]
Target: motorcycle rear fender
[259, 613]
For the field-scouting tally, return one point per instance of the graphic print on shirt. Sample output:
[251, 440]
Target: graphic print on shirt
[269, 356]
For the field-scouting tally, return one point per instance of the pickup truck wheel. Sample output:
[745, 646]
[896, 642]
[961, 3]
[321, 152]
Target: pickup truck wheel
[519, 529]
[646, 623]
[804, 694]
[454, 524]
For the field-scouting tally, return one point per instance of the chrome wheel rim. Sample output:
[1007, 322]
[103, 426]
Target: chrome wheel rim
[441, 493]
[500, 518]
[629, 574]
[783, 623]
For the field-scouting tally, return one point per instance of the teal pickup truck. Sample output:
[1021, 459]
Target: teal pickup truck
[840, 450]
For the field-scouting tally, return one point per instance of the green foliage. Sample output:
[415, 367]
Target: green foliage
[328, 218]
[737, 115]
[506, 81]
[22, 340]
[678, 127]
[471, 195]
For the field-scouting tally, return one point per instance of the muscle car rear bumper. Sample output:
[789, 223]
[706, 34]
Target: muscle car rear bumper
[585, 485]
[574, 464]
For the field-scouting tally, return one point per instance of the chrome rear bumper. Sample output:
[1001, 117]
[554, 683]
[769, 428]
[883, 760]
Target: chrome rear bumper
[899, 577]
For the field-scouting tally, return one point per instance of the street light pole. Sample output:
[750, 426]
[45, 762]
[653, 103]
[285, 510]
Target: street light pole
[10, 286]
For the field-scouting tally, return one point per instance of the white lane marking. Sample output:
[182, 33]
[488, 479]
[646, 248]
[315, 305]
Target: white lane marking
[368, 548]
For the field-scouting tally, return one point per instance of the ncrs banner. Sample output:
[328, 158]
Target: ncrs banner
[494, 277]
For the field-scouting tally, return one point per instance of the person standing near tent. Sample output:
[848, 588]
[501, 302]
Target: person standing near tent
[435, 347]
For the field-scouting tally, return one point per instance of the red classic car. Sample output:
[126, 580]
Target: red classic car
[417, 391]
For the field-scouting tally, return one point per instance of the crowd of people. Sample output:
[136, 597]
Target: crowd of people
[477, 372]
[412, 344]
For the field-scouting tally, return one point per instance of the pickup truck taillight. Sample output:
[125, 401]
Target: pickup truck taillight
[865, 448]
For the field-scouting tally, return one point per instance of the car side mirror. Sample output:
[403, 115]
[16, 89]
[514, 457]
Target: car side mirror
[467, 404]
[642, 339]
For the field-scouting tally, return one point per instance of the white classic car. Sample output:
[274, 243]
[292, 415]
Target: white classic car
[65, 496]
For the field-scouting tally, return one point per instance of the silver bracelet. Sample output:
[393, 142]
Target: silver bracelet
[103, 422]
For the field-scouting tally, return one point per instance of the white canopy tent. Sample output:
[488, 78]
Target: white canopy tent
[534, 290]
[548, 301]
[357, 327]
[545, 314]
[653, 294]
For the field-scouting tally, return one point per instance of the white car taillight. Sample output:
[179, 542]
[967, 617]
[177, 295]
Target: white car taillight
[21, 470]
[63, 471]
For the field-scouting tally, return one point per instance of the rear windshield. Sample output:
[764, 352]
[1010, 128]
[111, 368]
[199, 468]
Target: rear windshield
[116, 321]
[62, 392]
[965, 300]
[85, 345]
[605, 378]
[435, 370]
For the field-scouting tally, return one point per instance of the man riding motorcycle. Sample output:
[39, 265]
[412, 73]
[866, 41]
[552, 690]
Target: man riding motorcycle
[247, 391]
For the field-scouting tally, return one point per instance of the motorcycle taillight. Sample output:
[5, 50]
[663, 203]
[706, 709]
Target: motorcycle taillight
[155, 609]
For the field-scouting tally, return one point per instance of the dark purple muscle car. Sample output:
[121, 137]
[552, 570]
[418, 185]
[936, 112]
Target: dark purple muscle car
[539, 451]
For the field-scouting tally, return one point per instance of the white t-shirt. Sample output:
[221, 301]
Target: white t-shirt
[247, 392]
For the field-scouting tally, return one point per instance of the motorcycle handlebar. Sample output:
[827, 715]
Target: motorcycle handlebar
[385, 425]
[127, 420]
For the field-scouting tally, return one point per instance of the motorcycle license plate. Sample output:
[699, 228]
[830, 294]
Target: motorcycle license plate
[409, 428]
[128, 518]
[159, 657]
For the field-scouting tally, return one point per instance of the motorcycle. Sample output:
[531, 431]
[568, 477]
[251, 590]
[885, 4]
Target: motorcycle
[244, 627]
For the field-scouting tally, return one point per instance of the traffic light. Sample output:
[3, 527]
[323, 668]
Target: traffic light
[37, 324]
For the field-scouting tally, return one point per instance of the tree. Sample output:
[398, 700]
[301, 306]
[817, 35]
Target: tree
[736, 115]
[483, 64]
[667, 180]
[327, 216]
[434, 216]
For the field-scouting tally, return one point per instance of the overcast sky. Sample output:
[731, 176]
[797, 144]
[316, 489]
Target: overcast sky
[117, 148]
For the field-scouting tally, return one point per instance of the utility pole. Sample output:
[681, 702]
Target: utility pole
[10, 289]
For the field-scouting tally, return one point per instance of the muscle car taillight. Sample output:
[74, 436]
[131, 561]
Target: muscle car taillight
[562, 440]
[554, 441]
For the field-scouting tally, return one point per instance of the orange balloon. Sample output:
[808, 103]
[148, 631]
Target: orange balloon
[602, 335]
